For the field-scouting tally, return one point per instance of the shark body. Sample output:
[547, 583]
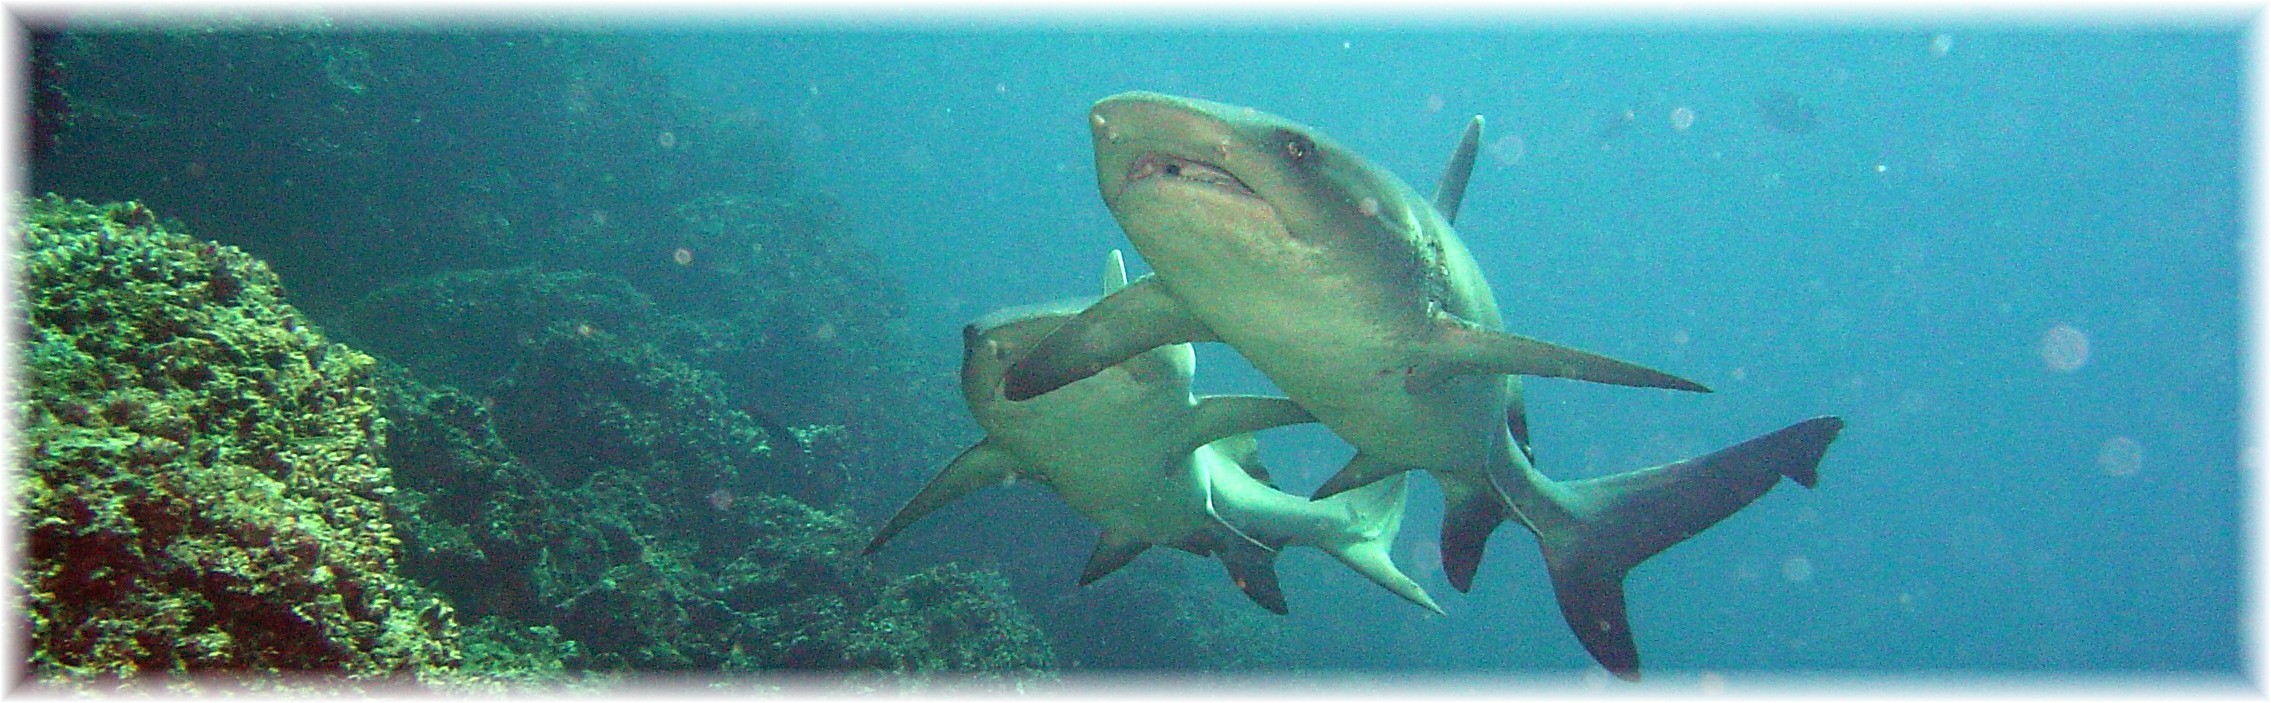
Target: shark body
[1132, 450]
[1357, 298]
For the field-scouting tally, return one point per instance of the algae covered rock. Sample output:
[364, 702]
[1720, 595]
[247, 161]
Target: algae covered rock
[605, 505]
[201, 491]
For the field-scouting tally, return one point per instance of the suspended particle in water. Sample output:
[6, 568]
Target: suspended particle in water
[1369, 207]
[1942, 43]
[1797, 569]
[1435, 103]
[1682, 118]
[2121, 456]
[1424, 557]
[2065, 348]
[684, 256]
[1712, 683]
[667, 139]
[1507, 150]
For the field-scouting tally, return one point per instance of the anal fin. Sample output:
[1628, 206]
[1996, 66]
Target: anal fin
[1254, 570]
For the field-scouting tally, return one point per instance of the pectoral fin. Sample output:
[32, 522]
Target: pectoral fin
[1130, 321]
[979, 466]
[1464, 348]
[1223, 416]
[1361, 470]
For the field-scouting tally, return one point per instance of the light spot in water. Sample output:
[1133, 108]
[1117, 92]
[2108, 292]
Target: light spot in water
[1682, 118]
[1001, 88]
[1679, 338]
[825, 332]
[1942, 43]
[1738, 374]
[1711, 683]
[2121, 456]
[1507, 150]
[1435, 103]
[2065, 348]
[683, 255]
[1797, 569]
[1596, 679]
[1369, 207]
[721, 499]
[667, 139]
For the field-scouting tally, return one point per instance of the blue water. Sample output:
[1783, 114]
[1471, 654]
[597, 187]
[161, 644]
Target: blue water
[1965, 190]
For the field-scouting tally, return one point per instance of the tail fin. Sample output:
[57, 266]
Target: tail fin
[1378, 512]
[1626, 518]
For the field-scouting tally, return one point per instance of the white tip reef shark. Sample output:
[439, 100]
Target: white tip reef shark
[1131, 449]
[1355, 297]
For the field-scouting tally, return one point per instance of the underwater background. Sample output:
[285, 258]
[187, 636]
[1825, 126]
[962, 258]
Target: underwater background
[662, 320]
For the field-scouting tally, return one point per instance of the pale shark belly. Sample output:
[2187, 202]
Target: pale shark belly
[1349, 371]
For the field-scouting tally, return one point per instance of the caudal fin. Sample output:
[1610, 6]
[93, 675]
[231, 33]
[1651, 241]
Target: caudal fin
[1626, 518]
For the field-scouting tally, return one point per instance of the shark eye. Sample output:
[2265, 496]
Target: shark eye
[1299, 147]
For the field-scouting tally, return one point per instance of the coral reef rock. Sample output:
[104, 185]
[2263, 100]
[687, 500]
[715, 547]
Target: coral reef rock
[201, 491]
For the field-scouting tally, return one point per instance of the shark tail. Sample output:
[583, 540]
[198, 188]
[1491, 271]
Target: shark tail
[1624, 519]
[1379, 510]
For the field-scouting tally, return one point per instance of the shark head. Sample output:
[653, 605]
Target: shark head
[1170, 166]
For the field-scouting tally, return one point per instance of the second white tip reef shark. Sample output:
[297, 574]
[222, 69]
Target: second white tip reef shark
[1133, 451]
[1356, 298]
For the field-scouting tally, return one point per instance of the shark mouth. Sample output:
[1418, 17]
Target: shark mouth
[1156, 165]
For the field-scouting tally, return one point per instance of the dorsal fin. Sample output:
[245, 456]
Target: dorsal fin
[1115, 272]
[1453, 187]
